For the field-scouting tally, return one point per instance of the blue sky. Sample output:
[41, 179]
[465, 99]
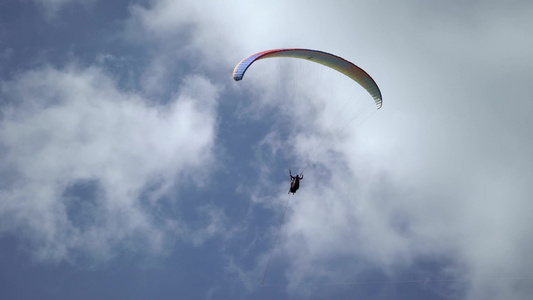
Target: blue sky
[134, 167]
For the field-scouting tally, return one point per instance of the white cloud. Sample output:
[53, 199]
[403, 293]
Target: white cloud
[442, 172]
[73, 143]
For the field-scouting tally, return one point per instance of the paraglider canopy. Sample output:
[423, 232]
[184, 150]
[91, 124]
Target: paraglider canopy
[327, 59]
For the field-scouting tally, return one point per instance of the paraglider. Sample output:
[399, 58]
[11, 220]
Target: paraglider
[327, 59]
[334, 62]
[295, 182]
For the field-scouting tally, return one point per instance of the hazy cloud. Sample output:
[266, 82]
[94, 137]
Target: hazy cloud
[440, 173]
[85, 163]
[435, 185]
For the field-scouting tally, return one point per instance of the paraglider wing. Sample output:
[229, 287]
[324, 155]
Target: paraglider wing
[324, 58]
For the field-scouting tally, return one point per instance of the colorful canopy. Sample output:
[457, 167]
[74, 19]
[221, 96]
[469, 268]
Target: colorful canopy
[324, 58]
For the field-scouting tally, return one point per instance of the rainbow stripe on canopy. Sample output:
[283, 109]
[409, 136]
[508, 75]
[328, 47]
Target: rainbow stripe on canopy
[327, 59]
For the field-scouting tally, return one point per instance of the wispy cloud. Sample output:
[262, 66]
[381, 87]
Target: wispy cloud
[73, 144]
[434, 185]
[432, 175]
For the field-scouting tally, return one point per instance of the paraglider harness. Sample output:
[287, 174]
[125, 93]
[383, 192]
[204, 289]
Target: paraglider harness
[295, 182]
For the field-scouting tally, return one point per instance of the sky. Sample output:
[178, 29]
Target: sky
[134, 167]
